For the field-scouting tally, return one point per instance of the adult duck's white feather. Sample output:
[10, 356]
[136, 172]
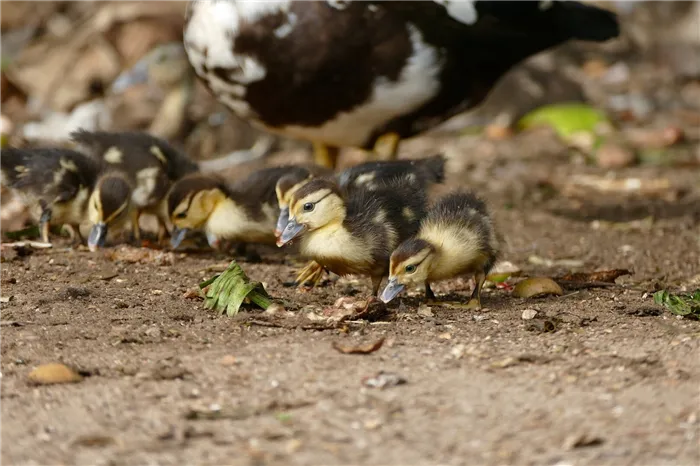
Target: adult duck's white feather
[463, 11]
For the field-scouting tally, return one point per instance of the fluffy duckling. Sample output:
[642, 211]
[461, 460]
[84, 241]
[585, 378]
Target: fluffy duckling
[457, 237]
[369, 175]
[243, 211]
[149, 163]
[65, 187]
[354, 233]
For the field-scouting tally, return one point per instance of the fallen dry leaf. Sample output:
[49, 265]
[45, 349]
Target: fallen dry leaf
[535, 287]
[582, 440]
[654, 138]
[591, 279]
[54, 373]
[359, 349]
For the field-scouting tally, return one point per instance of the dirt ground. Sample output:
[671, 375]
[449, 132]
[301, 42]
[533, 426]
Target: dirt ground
[616, 381]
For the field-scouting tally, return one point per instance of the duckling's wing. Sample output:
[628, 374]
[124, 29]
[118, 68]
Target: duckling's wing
[14, 166]
[371, 175]
[133, 151]
[55, 175]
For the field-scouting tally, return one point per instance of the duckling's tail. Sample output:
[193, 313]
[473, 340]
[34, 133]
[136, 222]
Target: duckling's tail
[434, 167]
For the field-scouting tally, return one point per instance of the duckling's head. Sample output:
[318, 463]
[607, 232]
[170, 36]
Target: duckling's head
[191, 202]
[285, 188]
[409, 265]
[108, 205]
[314, 205]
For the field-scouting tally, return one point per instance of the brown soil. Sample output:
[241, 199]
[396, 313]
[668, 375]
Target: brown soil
[168, 382]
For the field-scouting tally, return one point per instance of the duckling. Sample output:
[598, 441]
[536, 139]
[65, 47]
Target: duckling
[243, 211]
[64, 187]
[369, 175]
[149, 163]
[456, 237]
[354, 233]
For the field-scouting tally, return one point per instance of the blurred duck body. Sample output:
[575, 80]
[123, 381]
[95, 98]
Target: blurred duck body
[457, 237]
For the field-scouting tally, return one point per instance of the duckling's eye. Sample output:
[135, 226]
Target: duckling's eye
[181, 215]
[309, 206]
[410, 268]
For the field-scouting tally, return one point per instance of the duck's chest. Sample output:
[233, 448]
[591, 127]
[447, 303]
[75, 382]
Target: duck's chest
[319, 71]
[338, 251]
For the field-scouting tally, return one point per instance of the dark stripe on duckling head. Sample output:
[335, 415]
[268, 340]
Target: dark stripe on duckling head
[288, 181]
[115, 193]
[408, 249]
[315, 185]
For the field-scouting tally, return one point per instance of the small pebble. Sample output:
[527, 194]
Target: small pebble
[529, 314]
[54, 373]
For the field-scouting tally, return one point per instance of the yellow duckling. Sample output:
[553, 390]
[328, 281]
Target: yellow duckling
[457, 237]
[354, 233]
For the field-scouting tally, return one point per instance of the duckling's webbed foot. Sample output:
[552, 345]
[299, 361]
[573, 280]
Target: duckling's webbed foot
[135, 229]
[44, 222]
[162, 231]
[74, 234]
[310, 275]
[475, 300]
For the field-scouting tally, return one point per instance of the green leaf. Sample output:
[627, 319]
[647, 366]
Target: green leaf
[566, 119]
[228, 290]
[686, 305]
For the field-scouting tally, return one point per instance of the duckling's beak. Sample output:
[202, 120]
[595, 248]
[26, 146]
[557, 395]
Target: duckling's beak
[282, 221]
[98, 235]
[291, 231]
[392, 289]
[177, 236]
[138, 74]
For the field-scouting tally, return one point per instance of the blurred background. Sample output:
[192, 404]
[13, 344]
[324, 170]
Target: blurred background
[637, 99]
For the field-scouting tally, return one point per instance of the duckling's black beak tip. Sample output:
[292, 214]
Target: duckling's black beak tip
[291, 231]
[177, 236]
[97, 237]
[392, 289]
